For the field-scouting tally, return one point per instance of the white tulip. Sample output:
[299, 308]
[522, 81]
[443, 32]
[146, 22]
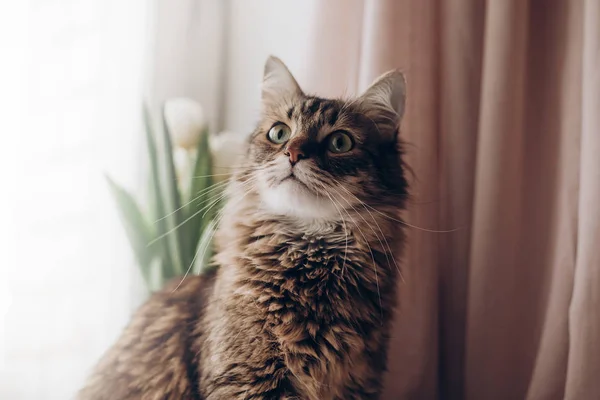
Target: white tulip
[227, 149]
[183, 167]
[186, 121]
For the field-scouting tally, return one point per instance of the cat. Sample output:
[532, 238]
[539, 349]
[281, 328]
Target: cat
[301, 304]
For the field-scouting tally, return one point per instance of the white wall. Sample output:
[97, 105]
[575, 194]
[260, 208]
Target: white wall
[214, 52]
[188, 52]
[259, 28]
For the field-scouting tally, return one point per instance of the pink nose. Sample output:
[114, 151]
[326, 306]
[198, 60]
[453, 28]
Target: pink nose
[295, 154]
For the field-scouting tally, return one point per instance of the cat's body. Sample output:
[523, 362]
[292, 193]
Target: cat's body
[297, 313]
[156, 356]
[301, 305]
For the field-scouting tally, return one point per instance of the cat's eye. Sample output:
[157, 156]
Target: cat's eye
[280, 133]
[339, 142]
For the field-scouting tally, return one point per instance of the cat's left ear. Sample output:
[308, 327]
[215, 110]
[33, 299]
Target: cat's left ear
[278, 82]
[387, 92]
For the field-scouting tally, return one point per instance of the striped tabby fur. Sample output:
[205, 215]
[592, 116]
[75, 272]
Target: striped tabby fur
[301, 305]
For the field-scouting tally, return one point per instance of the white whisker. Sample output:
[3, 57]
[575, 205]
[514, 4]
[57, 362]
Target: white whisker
[209, 176]
[207, 189]
[219, 217]
[181, 223]
[345, 234]
[413, 226]
[389, 249]
[370, 251]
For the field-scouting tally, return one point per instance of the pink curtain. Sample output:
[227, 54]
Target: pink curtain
[503, 121]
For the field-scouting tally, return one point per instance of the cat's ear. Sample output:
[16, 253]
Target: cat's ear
[387, 92]
[278, 81]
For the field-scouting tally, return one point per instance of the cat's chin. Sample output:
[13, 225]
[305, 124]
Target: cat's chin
[294, 198]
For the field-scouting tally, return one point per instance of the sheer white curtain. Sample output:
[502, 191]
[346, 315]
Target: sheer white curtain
[68, 284]
[68, 281]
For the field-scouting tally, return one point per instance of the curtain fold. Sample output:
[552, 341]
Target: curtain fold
[584, 319]
[461, 47]
[503, 134]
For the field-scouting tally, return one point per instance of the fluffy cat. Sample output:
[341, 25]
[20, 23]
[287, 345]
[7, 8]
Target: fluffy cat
[301, 304]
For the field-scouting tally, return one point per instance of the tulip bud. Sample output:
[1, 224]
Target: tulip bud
[185, 119]
[227, 149]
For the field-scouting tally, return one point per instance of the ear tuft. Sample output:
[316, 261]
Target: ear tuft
[278, 81]
[388, 91]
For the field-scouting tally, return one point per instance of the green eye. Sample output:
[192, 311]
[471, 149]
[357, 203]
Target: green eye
[339, 142]
[280, 133]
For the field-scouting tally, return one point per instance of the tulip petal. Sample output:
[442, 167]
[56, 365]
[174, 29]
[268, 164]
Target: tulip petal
[186, 121]
[228, 150]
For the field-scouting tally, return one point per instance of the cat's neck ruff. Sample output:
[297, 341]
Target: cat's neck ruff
[250, 211]
[292, 199]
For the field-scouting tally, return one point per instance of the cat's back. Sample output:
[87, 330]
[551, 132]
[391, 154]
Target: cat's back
[155, 357]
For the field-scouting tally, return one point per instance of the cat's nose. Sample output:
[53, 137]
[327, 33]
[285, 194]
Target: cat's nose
[295, 154]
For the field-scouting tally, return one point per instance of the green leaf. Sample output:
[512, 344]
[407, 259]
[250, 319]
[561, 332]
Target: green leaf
[199, 197]
[158, 203]
[204, 250]
[155, 275]
[138, 231]
[172, 202]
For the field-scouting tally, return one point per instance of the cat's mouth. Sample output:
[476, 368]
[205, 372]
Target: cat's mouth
[294, 194]
[293, 178]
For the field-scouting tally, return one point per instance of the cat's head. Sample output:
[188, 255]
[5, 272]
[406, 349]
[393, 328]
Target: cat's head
[312, 158]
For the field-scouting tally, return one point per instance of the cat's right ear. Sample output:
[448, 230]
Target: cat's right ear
[278, 82]
[388, 92]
